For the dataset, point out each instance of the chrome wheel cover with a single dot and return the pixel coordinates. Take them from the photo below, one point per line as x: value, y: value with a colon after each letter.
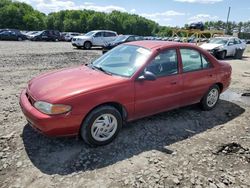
x: 104, y: 127
x: 212, y: 97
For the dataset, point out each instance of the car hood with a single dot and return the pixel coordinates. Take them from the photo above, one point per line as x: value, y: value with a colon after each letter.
x: 210, y: 46
x: 58, y: 85
x: 83, y: 37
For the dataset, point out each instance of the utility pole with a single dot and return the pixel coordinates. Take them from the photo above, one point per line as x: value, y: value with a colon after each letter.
x: 228, y: 14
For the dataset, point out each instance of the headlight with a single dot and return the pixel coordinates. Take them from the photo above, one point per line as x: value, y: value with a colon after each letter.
x: 51, y: 109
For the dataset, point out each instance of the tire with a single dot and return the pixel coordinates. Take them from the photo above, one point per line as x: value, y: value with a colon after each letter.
x: 238, y: 54
x: 102, y: 120
x: 87, y: 45
x: 210, y: 99
x: 222, y: 55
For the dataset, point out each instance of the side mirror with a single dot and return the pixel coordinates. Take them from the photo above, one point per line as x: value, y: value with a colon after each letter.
x: 230, y: 43
x: 147, y: 76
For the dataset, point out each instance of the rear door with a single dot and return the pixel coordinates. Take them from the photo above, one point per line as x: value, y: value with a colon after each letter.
x: 198, y: 75
x: 165, y: 92
x: 109, y: 37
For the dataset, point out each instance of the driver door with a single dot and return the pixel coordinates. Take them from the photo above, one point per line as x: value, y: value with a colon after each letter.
x: 45, y: 36
x: 98, y: 39
x: 231, y: 47
x: 164, y: 93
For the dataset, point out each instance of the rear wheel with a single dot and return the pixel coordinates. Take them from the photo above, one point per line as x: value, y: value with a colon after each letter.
x: 101, y: 126
x: 87, y: 45
x: 211, y: 98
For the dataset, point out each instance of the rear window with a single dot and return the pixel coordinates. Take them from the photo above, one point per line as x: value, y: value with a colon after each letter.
x: 193, y: 60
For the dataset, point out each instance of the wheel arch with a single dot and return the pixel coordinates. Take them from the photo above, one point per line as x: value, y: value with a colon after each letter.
x: 88, y: 41
x: 116, y: 105
x: 220, y: 85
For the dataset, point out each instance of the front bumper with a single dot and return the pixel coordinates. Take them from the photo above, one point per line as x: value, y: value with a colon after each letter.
x: 50, y: 125
x: 77, y: 43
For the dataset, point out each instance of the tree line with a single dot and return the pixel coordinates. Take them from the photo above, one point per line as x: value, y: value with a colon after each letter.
x: 22, y: 16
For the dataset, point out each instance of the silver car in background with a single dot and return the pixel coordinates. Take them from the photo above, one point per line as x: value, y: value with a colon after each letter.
x: 222, y: 47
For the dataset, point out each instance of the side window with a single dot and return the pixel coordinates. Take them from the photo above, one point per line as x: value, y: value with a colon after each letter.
x: 109, y: 34
x: 45, y: 33
x: 192, y: 60
x: 99, y: 34
x: 12, y: 33
x: 237, y: 41
x: 205, y: 63
x: 131, y: 39
x: 164, y: 64
x: 231, y: 42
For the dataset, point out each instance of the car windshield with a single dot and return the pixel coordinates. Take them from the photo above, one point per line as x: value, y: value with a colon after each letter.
x: 123, y: 60
x: 90, y: 33
x: 38, y: 33
x: 218, y: 41
x: 120, y: 38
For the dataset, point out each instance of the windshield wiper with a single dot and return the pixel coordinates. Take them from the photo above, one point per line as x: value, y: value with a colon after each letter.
x: 101, y: 69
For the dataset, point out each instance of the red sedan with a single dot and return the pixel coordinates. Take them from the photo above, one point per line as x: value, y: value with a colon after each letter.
x: 131, y: 81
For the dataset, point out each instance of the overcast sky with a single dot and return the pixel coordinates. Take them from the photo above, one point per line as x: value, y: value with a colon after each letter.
x: 165, y: 12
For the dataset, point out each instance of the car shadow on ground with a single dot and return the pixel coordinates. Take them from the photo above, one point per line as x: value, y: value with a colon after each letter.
x: 244, y: 58
x: 93, y: 48
x: 67, y: 155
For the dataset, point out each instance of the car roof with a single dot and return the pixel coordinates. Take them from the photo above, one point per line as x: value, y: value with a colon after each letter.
x: 226, y: 37
x: 153, y: 45
x: 103, y: 31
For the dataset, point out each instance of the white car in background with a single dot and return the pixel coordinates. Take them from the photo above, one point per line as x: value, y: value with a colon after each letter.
x: 68, y: 37
x: 222, y: 47
x: 94, y: 38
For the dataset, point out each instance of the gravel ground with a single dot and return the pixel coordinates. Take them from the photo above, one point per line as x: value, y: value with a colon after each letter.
x: 185, y: 147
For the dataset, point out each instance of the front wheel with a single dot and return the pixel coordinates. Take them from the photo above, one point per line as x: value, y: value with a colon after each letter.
x: 222, y: 55
x: 87, y: 45
x: 210, y: 99
x: 101, y: 126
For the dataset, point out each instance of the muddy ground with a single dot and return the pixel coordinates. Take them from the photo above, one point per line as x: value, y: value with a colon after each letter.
x: 185, y: 147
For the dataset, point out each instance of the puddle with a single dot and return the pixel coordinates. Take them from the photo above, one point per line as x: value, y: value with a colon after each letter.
x: 232, y: 96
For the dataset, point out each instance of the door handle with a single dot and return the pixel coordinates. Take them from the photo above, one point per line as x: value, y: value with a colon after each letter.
x: 173, y: 83
x: 210, y: 75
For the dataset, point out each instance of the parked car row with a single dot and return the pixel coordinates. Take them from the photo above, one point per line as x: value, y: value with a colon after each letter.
x: 12, y: 34
x: 220, y: 47
x: 44, y: 35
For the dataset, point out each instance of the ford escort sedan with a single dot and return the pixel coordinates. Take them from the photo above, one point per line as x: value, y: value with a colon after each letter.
x: 132, y: 81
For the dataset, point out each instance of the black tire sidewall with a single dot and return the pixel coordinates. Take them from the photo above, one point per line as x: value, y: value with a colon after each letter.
x: 222, y: 55
x: 85, y: 130
x: 203, y: 102
x: 90, y: 45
